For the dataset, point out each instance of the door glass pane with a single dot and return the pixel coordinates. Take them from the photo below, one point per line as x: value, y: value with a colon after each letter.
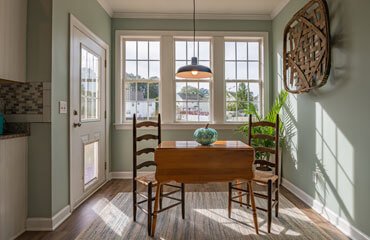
x: 91, y: 159
x: 89, y: 86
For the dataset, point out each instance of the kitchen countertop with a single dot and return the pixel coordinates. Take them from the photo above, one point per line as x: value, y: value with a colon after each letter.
x: 16, y: 130
x: 13, y: 135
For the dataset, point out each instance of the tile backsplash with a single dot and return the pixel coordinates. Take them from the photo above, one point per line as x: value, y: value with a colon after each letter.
x: 26, y: 102
x: 22, y: 98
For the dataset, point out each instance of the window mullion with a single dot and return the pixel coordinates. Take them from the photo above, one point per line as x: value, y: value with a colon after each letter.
x: 167, y: 86
x: 218, y: 102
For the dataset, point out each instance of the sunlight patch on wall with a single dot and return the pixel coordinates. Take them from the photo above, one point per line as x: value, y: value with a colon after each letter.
x: 334, y: 173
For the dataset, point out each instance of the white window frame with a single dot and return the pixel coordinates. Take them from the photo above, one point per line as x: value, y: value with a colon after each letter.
x: 210, y: 81
x: 122, y: 65
x: 167, y: 99
x: 247, y: 81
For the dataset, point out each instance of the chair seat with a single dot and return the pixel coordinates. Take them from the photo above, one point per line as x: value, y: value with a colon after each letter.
x: 264, y: 177
x: 146, y: 179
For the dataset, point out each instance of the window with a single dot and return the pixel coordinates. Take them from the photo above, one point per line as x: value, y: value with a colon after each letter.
x: 90, y: 86
x: 146, y: 83
x: 141, y: 79
x: 192, y: 96
x: 243, y: 79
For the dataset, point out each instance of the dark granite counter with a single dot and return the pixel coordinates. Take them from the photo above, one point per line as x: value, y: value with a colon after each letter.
x: 15, y: 130
x: 12, y: 135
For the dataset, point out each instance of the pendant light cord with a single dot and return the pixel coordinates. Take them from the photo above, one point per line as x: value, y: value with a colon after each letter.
x: 194, y: 26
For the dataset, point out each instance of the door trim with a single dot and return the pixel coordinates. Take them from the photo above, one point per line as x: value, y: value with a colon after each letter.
x: 75, y: 23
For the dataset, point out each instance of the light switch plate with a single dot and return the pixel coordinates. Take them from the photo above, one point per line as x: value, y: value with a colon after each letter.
x: 63, y: 107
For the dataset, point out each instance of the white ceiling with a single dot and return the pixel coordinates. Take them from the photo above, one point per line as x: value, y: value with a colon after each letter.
x: 212, y: 9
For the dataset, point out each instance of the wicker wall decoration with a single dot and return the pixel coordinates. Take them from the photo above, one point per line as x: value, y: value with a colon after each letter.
x: 307, y: 48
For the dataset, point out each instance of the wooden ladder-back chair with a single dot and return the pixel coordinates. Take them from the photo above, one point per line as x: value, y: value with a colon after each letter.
x: 267, y: 173
x: 149, y: 180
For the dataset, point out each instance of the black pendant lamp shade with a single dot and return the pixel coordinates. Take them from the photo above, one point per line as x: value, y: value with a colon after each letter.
x: 194, y: 71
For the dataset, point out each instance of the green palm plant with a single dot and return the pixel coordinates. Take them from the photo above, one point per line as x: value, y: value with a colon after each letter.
x: 269, y: 117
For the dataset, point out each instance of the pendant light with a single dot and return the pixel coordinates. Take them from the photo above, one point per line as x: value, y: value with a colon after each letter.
x: 194, y: 70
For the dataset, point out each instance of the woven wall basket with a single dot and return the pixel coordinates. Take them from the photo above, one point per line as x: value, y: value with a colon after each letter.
x: 307, y: 48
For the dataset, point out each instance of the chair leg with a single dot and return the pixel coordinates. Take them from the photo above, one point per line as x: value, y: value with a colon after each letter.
x: 161, y: 198
x: 183, y: 200
x: 253, y: 207
x: 134, y: 201
x: 277, y: 199
x: 155, y: 212
x: 229, y: 202
x: 239, y: 184
x: 150, y: 214
x: 248, y: 196
x: 269, y: 205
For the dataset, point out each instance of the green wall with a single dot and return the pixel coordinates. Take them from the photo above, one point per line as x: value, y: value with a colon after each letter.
x: 121, y: 140
x: 331, y: 123
x: 39, y: 22
x: 90, y: 13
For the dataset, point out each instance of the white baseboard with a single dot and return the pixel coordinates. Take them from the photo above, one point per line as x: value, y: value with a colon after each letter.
x: 126, y: 175
x: 342, y: 224
x: 61, y: 216
x: 48, y: 224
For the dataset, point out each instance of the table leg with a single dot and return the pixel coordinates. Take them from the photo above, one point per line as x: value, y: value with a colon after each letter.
x: 156, y: 204
x: 250, y: 186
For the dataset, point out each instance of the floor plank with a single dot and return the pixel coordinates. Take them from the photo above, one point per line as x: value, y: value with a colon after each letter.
x: 83, y: 216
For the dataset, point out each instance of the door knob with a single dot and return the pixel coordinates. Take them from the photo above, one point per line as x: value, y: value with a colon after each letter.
x: 77, y: 124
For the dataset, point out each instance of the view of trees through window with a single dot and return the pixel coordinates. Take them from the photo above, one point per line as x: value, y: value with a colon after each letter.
x: 242, y: 76
x: 142, y: 75
x: 192, y: 96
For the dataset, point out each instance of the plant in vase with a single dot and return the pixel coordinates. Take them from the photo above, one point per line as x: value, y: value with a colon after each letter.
x: 270, y: 117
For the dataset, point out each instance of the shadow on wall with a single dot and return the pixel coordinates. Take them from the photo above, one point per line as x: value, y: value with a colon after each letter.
x: 322, y: 152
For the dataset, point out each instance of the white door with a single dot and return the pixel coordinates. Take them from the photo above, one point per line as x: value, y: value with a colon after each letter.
x: 87, y: 116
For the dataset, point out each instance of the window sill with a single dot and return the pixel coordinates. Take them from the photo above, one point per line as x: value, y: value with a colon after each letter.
x: 185, y: 126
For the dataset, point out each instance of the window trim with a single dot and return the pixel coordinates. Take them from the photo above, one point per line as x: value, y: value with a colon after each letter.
x: 168, y: 101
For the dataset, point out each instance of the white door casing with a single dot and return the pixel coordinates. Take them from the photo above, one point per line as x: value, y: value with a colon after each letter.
x: 88, y: 122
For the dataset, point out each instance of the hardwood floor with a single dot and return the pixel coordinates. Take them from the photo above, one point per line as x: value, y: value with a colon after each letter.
x: 82, y: 217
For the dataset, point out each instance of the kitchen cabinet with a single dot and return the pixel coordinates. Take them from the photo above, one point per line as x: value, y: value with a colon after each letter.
x: 13, y: 40
x: 13, y: 187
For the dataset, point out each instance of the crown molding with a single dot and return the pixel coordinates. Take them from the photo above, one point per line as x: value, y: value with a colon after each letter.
x: 209, y: 16
x: 278, y: 9
x: 106, y: 6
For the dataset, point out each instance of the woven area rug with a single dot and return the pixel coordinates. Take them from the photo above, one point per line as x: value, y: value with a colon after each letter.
x: 205, y: 218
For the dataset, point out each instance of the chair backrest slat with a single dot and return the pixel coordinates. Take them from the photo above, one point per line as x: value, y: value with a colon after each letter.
x: 146, y: 164
x: 145, y: 151
x: 263, y: 124
x: 263, y: 136
x: 147, y: 137
x: 146, y: 124
x: 262, y: 149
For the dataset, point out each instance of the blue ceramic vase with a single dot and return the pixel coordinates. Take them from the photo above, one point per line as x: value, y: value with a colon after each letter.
x: 205, y: 136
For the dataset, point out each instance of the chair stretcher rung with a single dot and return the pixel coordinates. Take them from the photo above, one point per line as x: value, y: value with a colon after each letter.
x: 242, y: 195
x: 142, y: 209
x: 170, y: 185
x: 173, y: 198
x: 171, y: 206
x: 242, y: 203
x: 239, y: 189
x: 170, y: 193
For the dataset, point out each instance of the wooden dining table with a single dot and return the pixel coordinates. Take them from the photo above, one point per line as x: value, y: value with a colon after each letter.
x: 191, y: 163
